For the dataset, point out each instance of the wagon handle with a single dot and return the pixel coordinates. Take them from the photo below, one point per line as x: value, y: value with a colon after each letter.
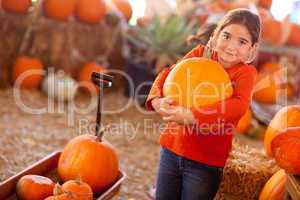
x: 102, y: 81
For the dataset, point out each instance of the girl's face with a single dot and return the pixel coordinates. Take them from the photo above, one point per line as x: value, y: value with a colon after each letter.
x: 233, y: 45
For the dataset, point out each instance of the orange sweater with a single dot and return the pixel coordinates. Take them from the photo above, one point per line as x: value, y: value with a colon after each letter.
x: 209, y: 141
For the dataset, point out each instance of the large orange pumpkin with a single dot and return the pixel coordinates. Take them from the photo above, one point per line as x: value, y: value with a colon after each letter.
x: 59, y: 9
x: 288, y: 116
x: 269, y: 34
x: 286, y: 150
x: 29, y: 70
x: 197, y: 82
x: 34, y: 187
x: 85, y: 76
x: 245, y: 122
x: 77, y: 188
x: 91, y: 11
x: 92, y: 160
x: 275, y: 187
x: 124, y: 7
x: 16, y: 6
x: 294, y: 38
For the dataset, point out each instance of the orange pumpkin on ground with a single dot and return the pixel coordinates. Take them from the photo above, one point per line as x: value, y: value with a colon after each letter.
x: 91, y: 11
x: 90, y: 158
x: 245, y: 122
x: 59, y: 10
x: 286, y: 150
x: 79, y: 189
x: 34, y: 187
x: 275, y: 187
x: 85, y: 76
x: 16, y: 6
x: 32, y: 70
x: 197, y: 82
x: 124, y: 7
x: 288, y: 116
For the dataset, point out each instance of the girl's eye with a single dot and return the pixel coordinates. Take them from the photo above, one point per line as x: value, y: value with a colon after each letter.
x: 242, y: 42
x: 225, y: 36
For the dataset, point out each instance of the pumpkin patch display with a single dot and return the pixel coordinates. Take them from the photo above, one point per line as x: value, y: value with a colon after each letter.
x: 91, y: 11
x: 29, y: 70
x: 59, y: 9
x: 286, y: 150
x: 197, y: 82
x: 287, y: 117
x: 275, y: 187
x: 85, y: 76
x: 16, y: 6
x: 34, y: 187
x: 92, y: 160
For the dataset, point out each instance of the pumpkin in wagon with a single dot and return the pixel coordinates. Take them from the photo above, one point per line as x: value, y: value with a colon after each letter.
x: 59, y: 10
x: 16, y: 6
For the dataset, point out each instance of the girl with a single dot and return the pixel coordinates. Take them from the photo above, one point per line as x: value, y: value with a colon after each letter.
x: 192, y: 158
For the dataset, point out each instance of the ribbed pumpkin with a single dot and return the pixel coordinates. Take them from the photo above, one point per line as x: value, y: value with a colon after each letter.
x: 197, y: 82
x: 294, y: 38
x: 79, y: 189
x: 288, y: 116
x: 275, y: 187
x: 245, y: 122
x: 59, y: 9
x: 265, y: 4
x: 92, y: 160
x: 286, y: 150
x: 16, y: 6
x: 32, y: 69
x: 91, y: 11
x: 269, y: 34
x: 85, y: 76
x: 124, y: 7
x: 34, y: 187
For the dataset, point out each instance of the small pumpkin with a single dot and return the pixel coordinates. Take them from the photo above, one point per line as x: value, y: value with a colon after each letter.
x: 275, y: 187
x: 91, y: 11
x: 16, y: 6
x: 124, y: 7
x: 286, y: 150
x: 34, y: 187
x: 30, y: 70
x: 286, y: 117
x: 197, y: 82
x: 59, y: 9
x: 79, y: 189
x: 85, y: 74
x: 96, y: 162
x: 245, y: 122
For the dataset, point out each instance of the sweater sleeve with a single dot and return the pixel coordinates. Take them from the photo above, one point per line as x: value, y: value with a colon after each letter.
x: 157, y: 86
x: 233, y: 108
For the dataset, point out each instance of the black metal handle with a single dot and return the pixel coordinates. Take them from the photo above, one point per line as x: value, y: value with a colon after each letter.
x: 103, y: 81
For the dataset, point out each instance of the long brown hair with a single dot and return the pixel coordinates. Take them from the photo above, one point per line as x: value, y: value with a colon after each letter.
x: 207, y: 34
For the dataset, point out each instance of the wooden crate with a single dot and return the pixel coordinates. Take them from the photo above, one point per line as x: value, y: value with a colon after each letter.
x: 42, y: 167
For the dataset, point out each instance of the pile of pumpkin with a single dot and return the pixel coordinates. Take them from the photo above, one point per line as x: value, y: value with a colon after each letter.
x: 91, y: 11
x: 30, y: 73
x: 88, y: 165
x: 282, y: 142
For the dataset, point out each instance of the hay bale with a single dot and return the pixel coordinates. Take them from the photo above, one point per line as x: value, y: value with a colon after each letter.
x: 12, y: 30
x: 246, y: 172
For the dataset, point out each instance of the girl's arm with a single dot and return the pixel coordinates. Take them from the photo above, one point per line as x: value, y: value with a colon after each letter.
x: 157, y: 86
x: 233, y: 108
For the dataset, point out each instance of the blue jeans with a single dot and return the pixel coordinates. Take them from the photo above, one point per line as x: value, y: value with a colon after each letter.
x: 183, y: 179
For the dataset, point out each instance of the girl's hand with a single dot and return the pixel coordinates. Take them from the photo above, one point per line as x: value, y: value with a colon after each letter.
x: 180, y: 115
x: 162, y: 106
